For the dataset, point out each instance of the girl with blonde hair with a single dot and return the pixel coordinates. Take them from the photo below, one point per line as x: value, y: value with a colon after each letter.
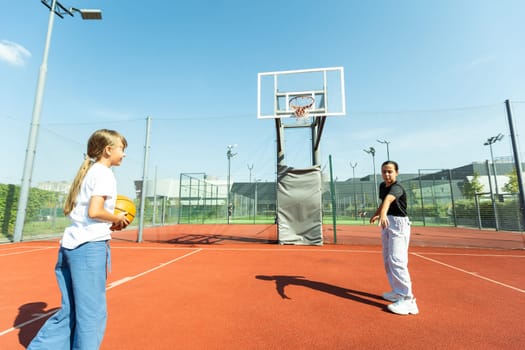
x: 84, y: 253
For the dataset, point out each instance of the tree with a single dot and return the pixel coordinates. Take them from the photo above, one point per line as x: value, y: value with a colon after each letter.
x: 512, y: 185
x: 470, y: 189
x: 38, y: 200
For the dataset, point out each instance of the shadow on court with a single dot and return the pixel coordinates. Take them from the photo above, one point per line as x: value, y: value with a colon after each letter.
x: 365, y: 235
x: 282, y: 281
x: 211, y: 239
x: 28, y: 312
x: 190, y: 234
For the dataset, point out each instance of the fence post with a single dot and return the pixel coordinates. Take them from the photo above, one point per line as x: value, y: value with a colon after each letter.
x: 478, y: 210
x: 452, y: 198
x: 422, y: 199
x: 144, y: 180
x: 334, y: 206
x: 494, y: 209
x: 517, y: 162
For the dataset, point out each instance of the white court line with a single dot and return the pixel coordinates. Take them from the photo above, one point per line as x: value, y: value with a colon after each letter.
x: 110, y: 286
x: 11, y: 246
x: 26, y: 251
x: 271, y: 249
x: 279, y: 248
x: 478, y: 255
x: 16, y: 246
x: 469, y: 273
x: 130, y: 278
x: 18, y: 326
x: 307, y: 249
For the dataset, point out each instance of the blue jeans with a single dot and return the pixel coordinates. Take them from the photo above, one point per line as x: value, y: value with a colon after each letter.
x: 396, y: 240
x: 81, y: 321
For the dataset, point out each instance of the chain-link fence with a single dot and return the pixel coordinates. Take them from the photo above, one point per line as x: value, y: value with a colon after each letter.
x: 199, y: 200
x: 435, y: 198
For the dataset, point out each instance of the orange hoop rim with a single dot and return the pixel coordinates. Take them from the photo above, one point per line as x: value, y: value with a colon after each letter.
x: 301, y: 105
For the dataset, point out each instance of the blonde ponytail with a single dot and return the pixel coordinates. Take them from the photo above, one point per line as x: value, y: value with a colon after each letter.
x: 75, y: 186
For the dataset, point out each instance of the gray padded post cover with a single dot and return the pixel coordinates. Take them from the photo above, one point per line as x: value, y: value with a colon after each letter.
x: 299, y: 212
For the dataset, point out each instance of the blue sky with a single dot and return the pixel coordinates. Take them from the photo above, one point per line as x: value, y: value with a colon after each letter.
x: 431, y: 77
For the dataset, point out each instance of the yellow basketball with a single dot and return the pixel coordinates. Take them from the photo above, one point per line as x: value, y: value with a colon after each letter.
x: 125, y: 204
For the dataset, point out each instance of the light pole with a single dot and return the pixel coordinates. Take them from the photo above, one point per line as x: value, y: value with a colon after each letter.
x: 353, y: 187
x: 372, y: 151
x: 57, y: 8
x: 385, y: 142
x: 250, y: 168
x: 489, y: 142
x: 229, y: 155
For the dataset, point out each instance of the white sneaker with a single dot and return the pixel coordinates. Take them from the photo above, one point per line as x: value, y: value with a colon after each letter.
x: 404, y: 307
x: 392, y: 296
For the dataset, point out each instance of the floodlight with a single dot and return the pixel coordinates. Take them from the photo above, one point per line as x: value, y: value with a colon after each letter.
x: 89, y: 13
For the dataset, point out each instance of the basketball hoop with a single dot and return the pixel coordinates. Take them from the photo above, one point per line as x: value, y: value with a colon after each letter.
x: 301, y: 106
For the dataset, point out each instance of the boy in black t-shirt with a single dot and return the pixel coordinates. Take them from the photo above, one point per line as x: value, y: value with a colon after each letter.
x: 395, y: 235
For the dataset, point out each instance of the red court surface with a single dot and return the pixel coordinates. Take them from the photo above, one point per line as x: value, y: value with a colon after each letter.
x: 422, y: 236
x: 224, y: 294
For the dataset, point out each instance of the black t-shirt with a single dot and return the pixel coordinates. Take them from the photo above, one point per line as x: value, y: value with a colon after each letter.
x: 399, y: 206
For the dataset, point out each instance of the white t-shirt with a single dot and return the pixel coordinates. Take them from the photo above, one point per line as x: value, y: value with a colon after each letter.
x: 99, y: 181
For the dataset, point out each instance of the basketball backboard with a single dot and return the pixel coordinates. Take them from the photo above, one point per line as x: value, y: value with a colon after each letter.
x: 325, y: 86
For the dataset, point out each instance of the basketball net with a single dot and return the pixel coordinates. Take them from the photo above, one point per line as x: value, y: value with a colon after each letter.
x: 301, y: 106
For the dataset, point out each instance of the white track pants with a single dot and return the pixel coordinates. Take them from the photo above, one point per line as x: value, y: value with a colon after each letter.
x: 396, y: 239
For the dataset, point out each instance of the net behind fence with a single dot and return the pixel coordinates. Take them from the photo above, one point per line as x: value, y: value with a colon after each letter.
x: 200, y: 201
